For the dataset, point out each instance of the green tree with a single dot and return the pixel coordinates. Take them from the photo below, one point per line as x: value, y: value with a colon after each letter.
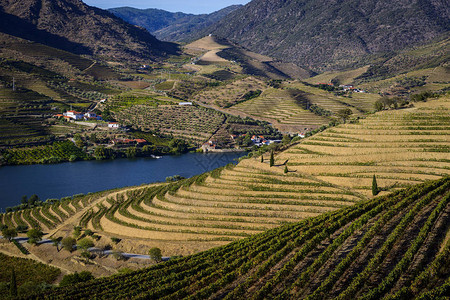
x: 24, y: 200
x: 68, y: 243
x: 85, y: 243
x: 344, y: 114
x: 375, y: 189
x: 78, y: 140
x: 13, y: 284
x: 286, y: 170
x: 9, y: 234
x: 178, y: 146
x: 101, y: 152
x: 262, y: 158
x: 76, y: 231
x: 131, y: 152
x: 272, y: 159
x: 32, y: 200
x: 155, y: 254
x: 93, y: 138
x: 149, y: 149
x: 379, y: 105
x: 286, y: 139
x: 34, y: 235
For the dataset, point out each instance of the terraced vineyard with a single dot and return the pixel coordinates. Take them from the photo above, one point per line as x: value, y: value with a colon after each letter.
x: 52, y: 214
x: 230, y: 94
x: 280, y: 107
x: 192, y: 123
x: 401, y: 147
x: 326, y: 172
x: 358, y: 102
x: 21, y: 120
x: 393, y: 246
x: 299, y: 106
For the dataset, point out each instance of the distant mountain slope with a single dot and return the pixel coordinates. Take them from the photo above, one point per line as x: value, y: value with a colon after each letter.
x: 325, y: 35
x: 170, y: 26
x: 72, y: 25
x: 393, y: 246
x: 220, y: 50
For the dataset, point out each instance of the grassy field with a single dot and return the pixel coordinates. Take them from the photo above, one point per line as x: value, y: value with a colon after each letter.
x: 392, y: 246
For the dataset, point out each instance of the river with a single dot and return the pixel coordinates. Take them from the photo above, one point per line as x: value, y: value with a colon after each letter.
x: 67, y: 179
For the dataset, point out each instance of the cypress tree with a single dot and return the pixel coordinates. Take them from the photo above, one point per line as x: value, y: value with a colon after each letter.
x: 375, y: 190
x: 13, y: 285
x: 262, y: 158
x: 286, y: 169
x: 272, y: 160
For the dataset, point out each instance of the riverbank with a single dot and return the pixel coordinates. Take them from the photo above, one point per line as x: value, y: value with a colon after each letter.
x: 52, y: 181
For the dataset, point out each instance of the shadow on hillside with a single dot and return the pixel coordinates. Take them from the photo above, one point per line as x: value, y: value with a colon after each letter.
x: 15, y: 26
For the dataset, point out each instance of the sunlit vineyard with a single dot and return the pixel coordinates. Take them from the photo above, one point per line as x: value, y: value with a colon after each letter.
x: 400, y: 147
x: 234, y: 202
x: 393, y: 246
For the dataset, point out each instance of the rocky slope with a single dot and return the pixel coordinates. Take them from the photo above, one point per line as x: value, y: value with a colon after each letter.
x: 75, y: 26
x: 326, y: 35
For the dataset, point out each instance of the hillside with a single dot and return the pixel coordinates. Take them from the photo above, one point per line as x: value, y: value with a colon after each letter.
x: 71, y: 25
x: 168, y: 26
x: 324, y: 35
x: 225, y: 56
x: 395, y: 246
x: 326, y: 172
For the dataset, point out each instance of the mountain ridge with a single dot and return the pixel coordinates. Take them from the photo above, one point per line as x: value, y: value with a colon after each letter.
x: 332, y: 35
x: 95, y: 31
x: 171, y: 26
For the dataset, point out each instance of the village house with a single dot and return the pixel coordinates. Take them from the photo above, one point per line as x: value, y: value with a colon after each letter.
x: 129, y: 141
x: 92, y: 116
x: 113, y: 125
x: 209, y: 146
x: 73, y: 115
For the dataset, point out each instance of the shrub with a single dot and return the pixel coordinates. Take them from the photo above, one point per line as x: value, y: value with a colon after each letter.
x: 68, y: 243
x: 155, y: 254
x: 34, y: 235
x: 75, y: 278
x: 85, y: 243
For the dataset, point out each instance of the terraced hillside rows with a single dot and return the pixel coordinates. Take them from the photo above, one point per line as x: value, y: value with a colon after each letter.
x: 326, y: 172
x: 395, y: 246
x: 226, y: 205
x: 298, y: 106
x: 281, y: 108
x: 400, y: 147
x: 52, y: 214
x: 232, y: 93
x: 192, y: 123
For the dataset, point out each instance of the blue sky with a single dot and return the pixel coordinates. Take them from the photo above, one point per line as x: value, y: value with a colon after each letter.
x: 186, y: 6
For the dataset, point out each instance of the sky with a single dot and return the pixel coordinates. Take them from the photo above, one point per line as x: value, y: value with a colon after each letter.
x: 186, y: 6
